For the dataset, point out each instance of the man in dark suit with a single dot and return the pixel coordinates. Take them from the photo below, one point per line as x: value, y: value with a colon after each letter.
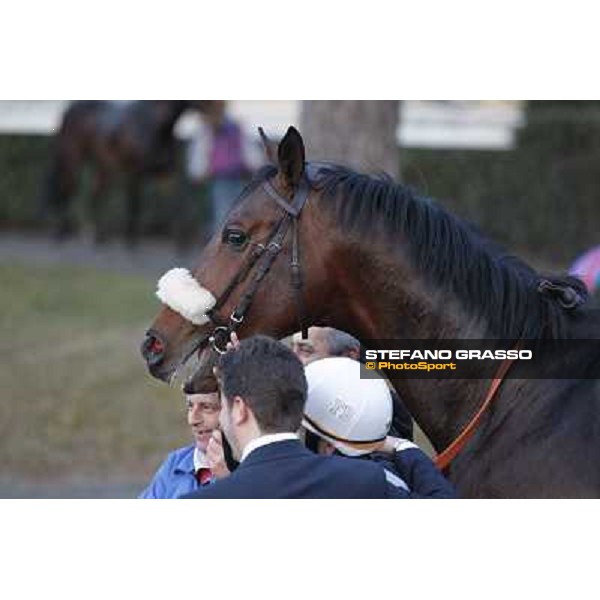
x: 263, y: 392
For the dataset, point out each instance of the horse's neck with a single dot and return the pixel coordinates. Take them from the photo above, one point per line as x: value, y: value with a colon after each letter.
x: 395, y: 303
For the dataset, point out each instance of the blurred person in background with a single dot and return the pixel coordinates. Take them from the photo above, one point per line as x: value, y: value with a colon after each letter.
x: 222, y: 157
x: 325, y: 342
x: 191, y: 467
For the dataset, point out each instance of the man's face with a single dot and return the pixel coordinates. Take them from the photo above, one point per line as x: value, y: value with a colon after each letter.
x: 313, y: 348
x: 203, y: 416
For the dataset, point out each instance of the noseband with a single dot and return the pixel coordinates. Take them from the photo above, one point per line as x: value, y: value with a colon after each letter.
x: 264, y: 255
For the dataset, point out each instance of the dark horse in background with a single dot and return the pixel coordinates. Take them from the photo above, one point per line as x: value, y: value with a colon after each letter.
x: 131, y: 141
x: 382, y: 263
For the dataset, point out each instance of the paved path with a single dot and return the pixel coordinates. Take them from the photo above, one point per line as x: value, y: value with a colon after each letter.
x: 150, y: 258
x: 74, y: 487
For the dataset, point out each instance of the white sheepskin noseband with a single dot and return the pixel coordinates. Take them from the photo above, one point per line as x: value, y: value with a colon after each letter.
x: 183, y: 294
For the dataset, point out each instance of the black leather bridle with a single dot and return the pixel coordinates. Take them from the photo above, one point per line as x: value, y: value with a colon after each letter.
x: 264, y: 254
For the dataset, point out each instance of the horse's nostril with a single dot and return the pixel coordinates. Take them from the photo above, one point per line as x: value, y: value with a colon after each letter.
x: 155, y: 346
x: 153, y: 349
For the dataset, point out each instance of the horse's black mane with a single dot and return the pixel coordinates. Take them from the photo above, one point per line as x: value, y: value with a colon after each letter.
x: 452, y: 254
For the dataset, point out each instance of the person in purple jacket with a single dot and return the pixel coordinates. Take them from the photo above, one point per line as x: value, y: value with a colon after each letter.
x: 222, y: 156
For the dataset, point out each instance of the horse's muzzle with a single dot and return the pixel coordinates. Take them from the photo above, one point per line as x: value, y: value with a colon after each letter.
x: 153, y: 350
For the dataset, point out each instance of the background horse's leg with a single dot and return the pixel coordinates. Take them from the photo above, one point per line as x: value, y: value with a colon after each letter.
x: 132, y: 218
x: 185, y: 223
x: 98, y: 196
x: 60, y: 186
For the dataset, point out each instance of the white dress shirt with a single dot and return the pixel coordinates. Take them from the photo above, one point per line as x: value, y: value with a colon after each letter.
x: 264, y: 440
x: 200, y: 460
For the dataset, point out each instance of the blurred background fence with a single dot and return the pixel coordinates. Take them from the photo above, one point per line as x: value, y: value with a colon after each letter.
x: 530, y: 181
x: 540, y: 197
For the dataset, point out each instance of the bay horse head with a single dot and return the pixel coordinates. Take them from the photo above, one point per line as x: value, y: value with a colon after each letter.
x: 252, y: 275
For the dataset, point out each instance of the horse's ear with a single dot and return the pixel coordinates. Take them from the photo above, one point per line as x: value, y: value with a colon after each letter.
x: 290, y: 157
x: 270, y: 147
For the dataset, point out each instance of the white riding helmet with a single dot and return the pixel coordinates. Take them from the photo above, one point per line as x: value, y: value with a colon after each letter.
x: 351, y: 413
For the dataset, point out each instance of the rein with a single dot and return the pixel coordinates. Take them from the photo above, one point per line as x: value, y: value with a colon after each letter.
x: 222, y: 332
x: 443, y: 459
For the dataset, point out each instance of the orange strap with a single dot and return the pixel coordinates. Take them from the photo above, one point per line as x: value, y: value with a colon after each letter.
x: 444, y: 459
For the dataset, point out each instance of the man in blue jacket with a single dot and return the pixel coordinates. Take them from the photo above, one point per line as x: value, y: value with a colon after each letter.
x: 263, y: 393
x: 187, y: 469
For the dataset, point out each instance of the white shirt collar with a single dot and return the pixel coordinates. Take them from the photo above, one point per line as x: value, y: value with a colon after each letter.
x: 200, y: 460
x: 263, y: 440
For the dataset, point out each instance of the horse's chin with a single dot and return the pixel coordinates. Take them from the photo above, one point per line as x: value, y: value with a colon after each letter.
x: 202, y: 379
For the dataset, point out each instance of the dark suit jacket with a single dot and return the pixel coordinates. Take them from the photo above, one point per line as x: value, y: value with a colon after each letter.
x: 417, y: 470
x: 288, y: 470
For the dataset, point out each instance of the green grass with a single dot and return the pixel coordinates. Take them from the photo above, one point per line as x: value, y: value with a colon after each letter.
x: 75, y: 397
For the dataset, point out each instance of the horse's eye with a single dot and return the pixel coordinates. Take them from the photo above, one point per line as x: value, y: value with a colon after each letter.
x: 235, y: 238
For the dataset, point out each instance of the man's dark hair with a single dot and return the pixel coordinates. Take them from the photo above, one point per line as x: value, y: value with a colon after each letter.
x: 270, y: 378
